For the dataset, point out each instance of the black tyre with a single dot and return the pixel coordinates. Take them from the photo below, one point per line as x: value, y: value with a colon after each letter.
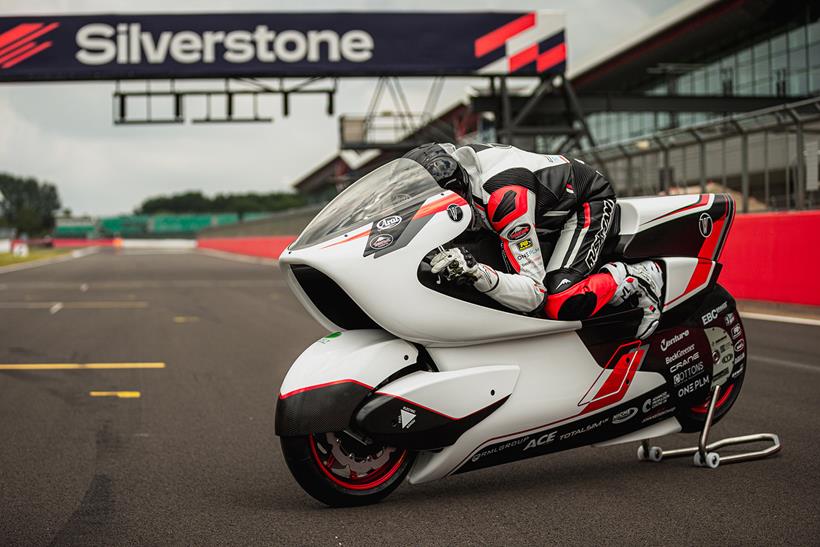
x: 340, y: 470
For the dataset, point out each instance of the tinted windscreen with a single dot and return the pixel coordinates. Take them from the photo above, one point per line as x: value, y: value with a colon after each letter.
x: 396, y: 185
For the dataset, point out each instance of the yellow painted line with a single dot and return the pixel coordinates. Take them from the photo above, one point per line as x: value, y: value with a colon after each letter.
x: 80, y: 366
x: 117, y: 394
x: 186, y: 319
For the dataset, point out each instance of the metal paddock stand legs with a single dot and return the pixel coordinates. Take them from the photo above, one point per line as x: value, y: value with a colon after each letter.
x: 706, y: 455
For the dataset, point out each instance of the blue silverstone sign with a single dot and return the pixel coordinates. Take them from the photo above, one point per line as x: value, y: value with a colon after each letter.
x: 108, y: 47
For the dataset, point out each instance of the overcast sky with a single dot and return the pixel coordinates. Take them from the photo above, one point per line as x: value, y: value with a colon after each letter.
x: 63, y: 132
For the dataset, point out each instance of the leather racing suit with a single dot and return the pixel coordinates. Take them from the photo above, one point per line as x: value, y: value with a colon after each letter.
x: 527, y: 198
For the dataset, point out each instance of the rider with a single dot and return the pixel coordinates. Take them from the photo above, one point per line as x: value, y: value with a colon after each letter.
x: 520, y: 196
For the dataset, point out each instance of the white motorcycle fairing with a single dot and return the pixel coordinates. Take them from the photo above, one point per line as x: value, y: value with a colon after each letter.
x: 334, y: 375
x: 484, y: 385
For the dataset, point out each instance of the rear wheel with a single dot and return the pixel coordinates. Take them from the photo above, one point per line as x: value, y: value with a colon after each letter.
x: 693, y: 417
x: 342, y: 469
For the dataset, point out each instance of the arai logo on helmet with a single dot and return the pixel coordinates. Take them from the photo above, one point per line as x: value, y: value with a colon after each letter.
x: 381, y: 241
x: 388, y: 222
x: 519, y: 231
x: 705, y: 225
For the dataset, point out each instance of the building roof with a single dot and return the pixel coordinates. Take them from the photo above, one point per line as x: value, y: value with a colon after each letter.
x: 691, y: 32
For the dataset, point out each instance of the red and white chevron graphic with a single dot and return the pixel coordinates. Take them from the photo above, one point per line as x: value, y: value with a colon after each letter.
x: 522, y: 41
x: 19, y: 43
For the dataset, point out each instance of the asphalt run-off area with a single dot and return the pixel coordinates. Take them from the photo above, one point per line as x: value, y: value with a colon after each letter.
x: 137, y: 395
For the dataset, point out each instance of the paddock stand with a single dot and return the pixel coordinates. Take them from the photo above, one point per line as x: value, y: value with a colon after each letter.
x: 705, y: 455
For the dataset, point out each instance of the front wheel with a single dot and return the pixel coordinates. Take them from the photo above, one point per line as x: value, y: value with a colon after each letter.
x: 342, y: 469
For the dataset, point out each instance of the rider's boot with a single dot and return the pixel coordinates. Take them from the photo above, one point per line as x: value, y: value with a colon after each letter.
x: 644, y: 279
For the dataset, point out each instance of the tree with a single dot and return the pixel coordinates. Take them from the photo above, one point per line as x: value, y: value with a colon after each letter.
x: 27, y: 204
x: 196, y: 202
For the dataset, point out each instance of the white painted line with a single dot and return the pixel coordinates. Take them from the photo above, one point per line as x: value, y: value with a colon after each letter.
x: 785, y: 363
x: 55, y: 308
x: 48, y: 261
x: 781, y: 318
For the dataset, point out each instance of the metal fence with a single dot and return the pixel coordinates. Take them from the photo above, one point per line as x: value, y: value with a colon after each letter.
x: 768, y: 158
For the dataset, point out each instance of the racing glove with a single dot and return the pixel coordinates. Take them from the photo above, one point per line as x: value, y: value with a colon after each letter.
x: 459, y: 265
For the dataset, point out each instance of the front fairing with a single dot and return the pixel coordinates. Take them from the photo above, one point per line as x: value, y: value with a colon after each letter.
x: 383, y: 280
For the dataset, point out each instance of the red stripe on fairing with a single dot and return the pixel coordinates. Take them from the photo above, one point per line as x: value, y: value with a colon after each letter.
x: 704, y: 200
x: 553, y: 56
x: 326, y: 384
x: 619, y: 380
x: 523, y: 57
x: 541, y: 427
x: 495, y: 39
x: 23, y: 57
x: 440, y: 205
x: 429, y: 209
x: 709, y: 247
x: 357, y: 236
x: 699, y: 277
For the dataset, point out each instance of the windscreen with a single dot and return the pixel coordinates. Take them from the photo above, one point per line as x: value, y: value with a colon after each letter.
x: 393, y: 186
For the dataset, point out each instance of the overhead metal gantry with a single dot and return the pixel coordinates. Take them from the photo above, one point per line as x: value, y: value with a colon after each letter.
x: 232, y: 100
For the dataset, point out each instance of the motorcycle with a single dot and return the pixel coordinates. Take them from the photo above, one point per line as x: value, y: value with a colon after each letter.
x: 424, y: 379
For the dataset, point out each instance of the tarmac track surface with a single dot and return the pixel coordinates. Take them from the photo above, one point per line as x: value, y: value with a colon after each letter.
x: 194, y: 461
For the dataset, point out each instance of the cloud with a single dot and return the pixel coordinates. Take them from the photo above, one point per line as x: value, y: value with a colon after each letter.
x: 63, y: 132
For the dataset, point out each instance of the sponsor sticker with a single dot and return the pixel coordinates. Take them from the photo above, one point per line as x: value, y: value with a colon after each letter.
x: 736, y: 331
x: 693, y: 386
x: 454, y: 212
x: 526, y: 254
x: 658, y: 414
x: 501, y: 448
x: 680, y: 353
x: 381, y: 241
x: 710, y: 316
x: 654, y: 402
x: 407, y: 417
x: 524, y: 245
x: 546, y: 438
x: 740, y: 345
x: 688, y: 373
x: 666, y: 343
x: 625, y: 415
x: 705, y: 225
x: 388, y: 222
x: 729, y: 319
x: 739, y: 358
x: 519, y: 231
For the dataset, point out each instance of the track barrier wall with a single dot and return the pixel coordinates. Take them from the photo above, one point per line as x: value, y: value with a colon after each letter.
x: 772, y: 257
x: 263, y: 246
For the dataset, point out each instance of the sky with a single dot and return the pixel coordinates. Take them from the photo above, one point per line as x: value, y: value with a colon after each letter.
x: 63, y: 133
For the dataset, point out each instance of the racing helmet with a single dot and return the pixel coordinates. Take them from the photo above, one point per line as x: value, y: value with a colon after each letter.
x: 443, y: 167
